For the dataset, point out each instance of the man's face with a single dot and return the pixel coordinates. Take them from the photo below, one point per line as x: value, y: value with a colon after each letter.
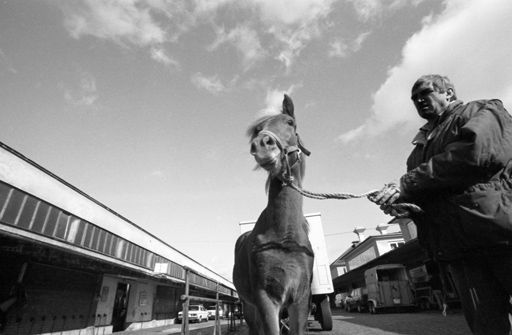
x: 428, y: 102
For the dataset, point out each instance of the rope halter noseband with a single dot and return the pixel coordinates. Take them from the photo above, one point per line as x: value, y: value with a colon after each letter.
x: 286, y: 151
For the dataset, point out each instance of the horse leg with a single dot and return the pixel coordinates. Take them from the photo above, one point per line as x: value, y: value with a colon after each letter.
x: 269, y: 314
x: 298, y: 316
x: 252, y: 319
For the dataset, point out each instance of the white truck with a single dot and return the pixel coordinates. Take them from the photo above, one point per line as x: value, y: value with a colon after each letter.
x: 321, y: 286
x: 388, y: 288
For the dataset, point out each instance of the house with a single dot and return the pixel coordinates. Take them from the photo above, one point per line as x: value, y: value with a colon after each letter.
x: 366, y: 249
x: 395, y: 248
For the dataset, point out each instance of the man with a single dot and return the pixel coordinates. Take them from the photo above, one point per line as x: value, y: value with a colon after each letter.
x: 460, y: 174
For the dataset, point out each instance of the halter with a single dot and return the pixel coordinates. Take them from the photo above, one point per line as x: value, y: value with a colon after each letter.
x: 286, y: 152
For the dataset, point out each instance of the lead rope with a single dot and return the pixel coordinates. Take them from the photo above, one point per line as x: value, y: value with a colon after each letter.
x: 324, y: 196
x: 400, y: 207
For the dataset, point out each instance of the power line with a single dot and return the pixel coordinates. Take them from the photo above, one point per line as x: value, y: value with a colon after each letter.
x: 340, y: 233
x: 349, y: 232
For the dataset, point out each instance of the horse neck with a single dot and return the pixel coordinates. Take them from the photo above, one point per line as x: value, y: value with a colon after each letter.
x: 284, y: 203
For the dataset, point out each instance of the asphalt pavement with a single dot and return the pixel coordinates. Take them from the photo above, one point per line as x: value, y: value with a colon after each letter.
x: 344, y: 323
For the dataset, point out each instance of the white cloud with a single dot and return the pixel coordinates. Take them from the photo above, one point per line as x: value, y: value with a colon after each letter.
x: 209, y: 6
x: 293, y: 23
x: 160, y: 56
x: 280, y: 29
x: 83, y: 94
x: 342, y: 49
x: 469, y: 42
x: 288, y: 25
x: 293, y: 41
x: 122, y: 21
x: 129, y: 23
x: 245, y: 40
x: 372, y: 9
x: 211, y: 84
x: 274, y: 101
x: 290, y: 12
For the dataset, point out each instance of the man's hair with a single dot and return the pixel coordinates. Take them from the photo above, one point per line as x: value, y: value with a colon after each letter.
x: 440, y: 83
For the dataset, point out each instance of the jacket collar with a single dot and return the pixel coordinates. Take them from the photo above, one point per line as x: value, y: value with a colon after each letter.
x: 448, y: 111
x: 422, y: 135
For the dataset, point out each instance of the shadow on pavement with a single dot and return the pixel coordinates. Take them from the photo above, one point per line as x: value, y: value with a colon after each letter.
x: 419, y: 323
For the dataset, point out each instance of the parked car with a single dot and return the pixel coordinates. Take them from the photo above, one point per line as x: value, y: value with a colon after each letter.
x: 211, y: 312
x: 196, y: 313
x: 357, y: 300
x: 340, y: 298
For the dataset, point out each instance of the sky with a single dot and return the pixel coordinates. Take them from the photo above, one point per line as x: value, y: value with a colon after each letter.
x: 144, y: 104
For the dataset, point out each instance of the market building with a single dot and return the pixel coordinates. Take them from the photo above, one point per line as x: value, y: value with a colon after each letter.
x: 71, y: 265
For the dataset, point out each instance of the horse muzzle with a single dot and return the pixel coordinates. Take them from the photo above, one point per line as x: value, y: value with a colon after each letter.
x: 272, y: 163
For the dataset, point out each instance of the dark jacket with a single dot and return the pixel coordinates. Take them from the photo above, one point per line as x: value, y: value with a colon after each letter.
x: 460, y: 174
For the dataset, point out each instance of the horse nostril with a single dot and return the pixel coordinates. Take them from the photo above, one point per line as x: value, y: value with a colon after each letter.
x: 253, y: 149
x: 267, y: 141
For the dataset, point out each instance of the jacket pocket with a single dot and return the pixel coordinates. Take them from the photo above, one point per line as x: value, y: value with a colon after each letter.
x: 485, y: 215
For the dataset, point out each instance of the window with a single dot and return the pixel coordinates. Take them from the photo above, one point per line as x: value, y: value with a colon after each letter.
x: 395, y: 245
x: 341, y: 270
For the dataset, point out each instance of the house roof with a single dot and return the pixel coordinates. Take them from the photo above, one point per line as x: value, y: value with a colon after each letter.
x: 410, y: 253
x: 354, y: 248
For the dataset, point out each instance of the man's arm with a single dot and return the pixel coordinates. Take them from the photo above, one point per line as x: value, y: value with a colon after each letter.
x: 479, y: 151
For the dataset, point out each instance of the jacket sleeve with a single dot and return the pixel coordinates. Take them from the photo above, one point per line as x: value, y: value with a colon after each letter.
x: 481, y: 147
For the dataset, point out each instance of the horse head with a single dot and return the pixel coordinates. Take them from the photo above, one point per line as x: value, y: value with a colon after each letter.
x: 275, y: 143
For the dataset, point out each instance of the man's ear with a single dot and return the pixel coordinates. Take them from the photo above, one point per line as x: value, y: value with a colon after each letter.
x: 450, y: 94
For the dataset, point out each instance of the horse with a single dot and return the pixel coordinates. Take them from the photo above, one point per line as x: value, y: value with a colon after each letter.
x: 273, y: 265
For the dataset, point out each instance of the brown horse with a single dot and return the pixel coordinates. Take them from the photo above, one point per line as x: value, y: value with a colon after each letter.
x: 274, y: 262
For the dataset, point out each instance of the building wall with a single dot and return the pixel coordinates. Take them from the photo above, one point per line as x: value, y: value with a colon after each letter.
x: 167, y: 302
x: 371, y: 248
x: 338, y: 271
x: 387, y: 245
x: 140, y: 305
x: 362, y: 256
x: 148, y: 302
x: 54, y: 299
x: 408, y: 228
x: 106, y: 299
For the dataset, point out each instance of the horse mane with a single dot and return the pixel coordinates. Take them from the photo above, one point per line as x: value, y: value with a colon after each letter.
x: 306, y: 226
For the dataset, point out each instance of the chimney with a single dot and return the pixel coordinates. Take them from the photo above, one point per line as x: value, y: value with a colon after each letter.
x: 382, y: 229
x: 359, y: 232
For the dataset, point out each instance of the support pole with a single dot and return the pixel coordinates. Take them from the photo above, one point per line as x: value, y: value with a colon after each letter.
x: 217, y: 327
x: 184, y: 325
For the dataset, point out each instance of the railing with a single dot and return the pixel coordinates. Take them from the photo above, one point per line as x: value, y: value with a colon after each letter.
x: 186, y: 298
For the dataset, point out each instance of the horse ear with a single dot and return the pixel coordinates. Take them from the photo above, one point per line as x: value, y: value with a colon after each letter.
x: 288, y: 106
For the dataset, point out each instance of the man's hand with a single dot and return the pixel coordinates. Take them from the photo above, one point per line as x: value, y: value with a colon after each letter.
x: 396, y: 210
x: 386, y: 196
x: 388, y: 200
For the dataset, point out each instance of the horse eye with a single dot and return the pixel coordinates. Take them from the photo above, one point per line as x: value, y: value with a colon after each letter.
x: 291, y: 123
